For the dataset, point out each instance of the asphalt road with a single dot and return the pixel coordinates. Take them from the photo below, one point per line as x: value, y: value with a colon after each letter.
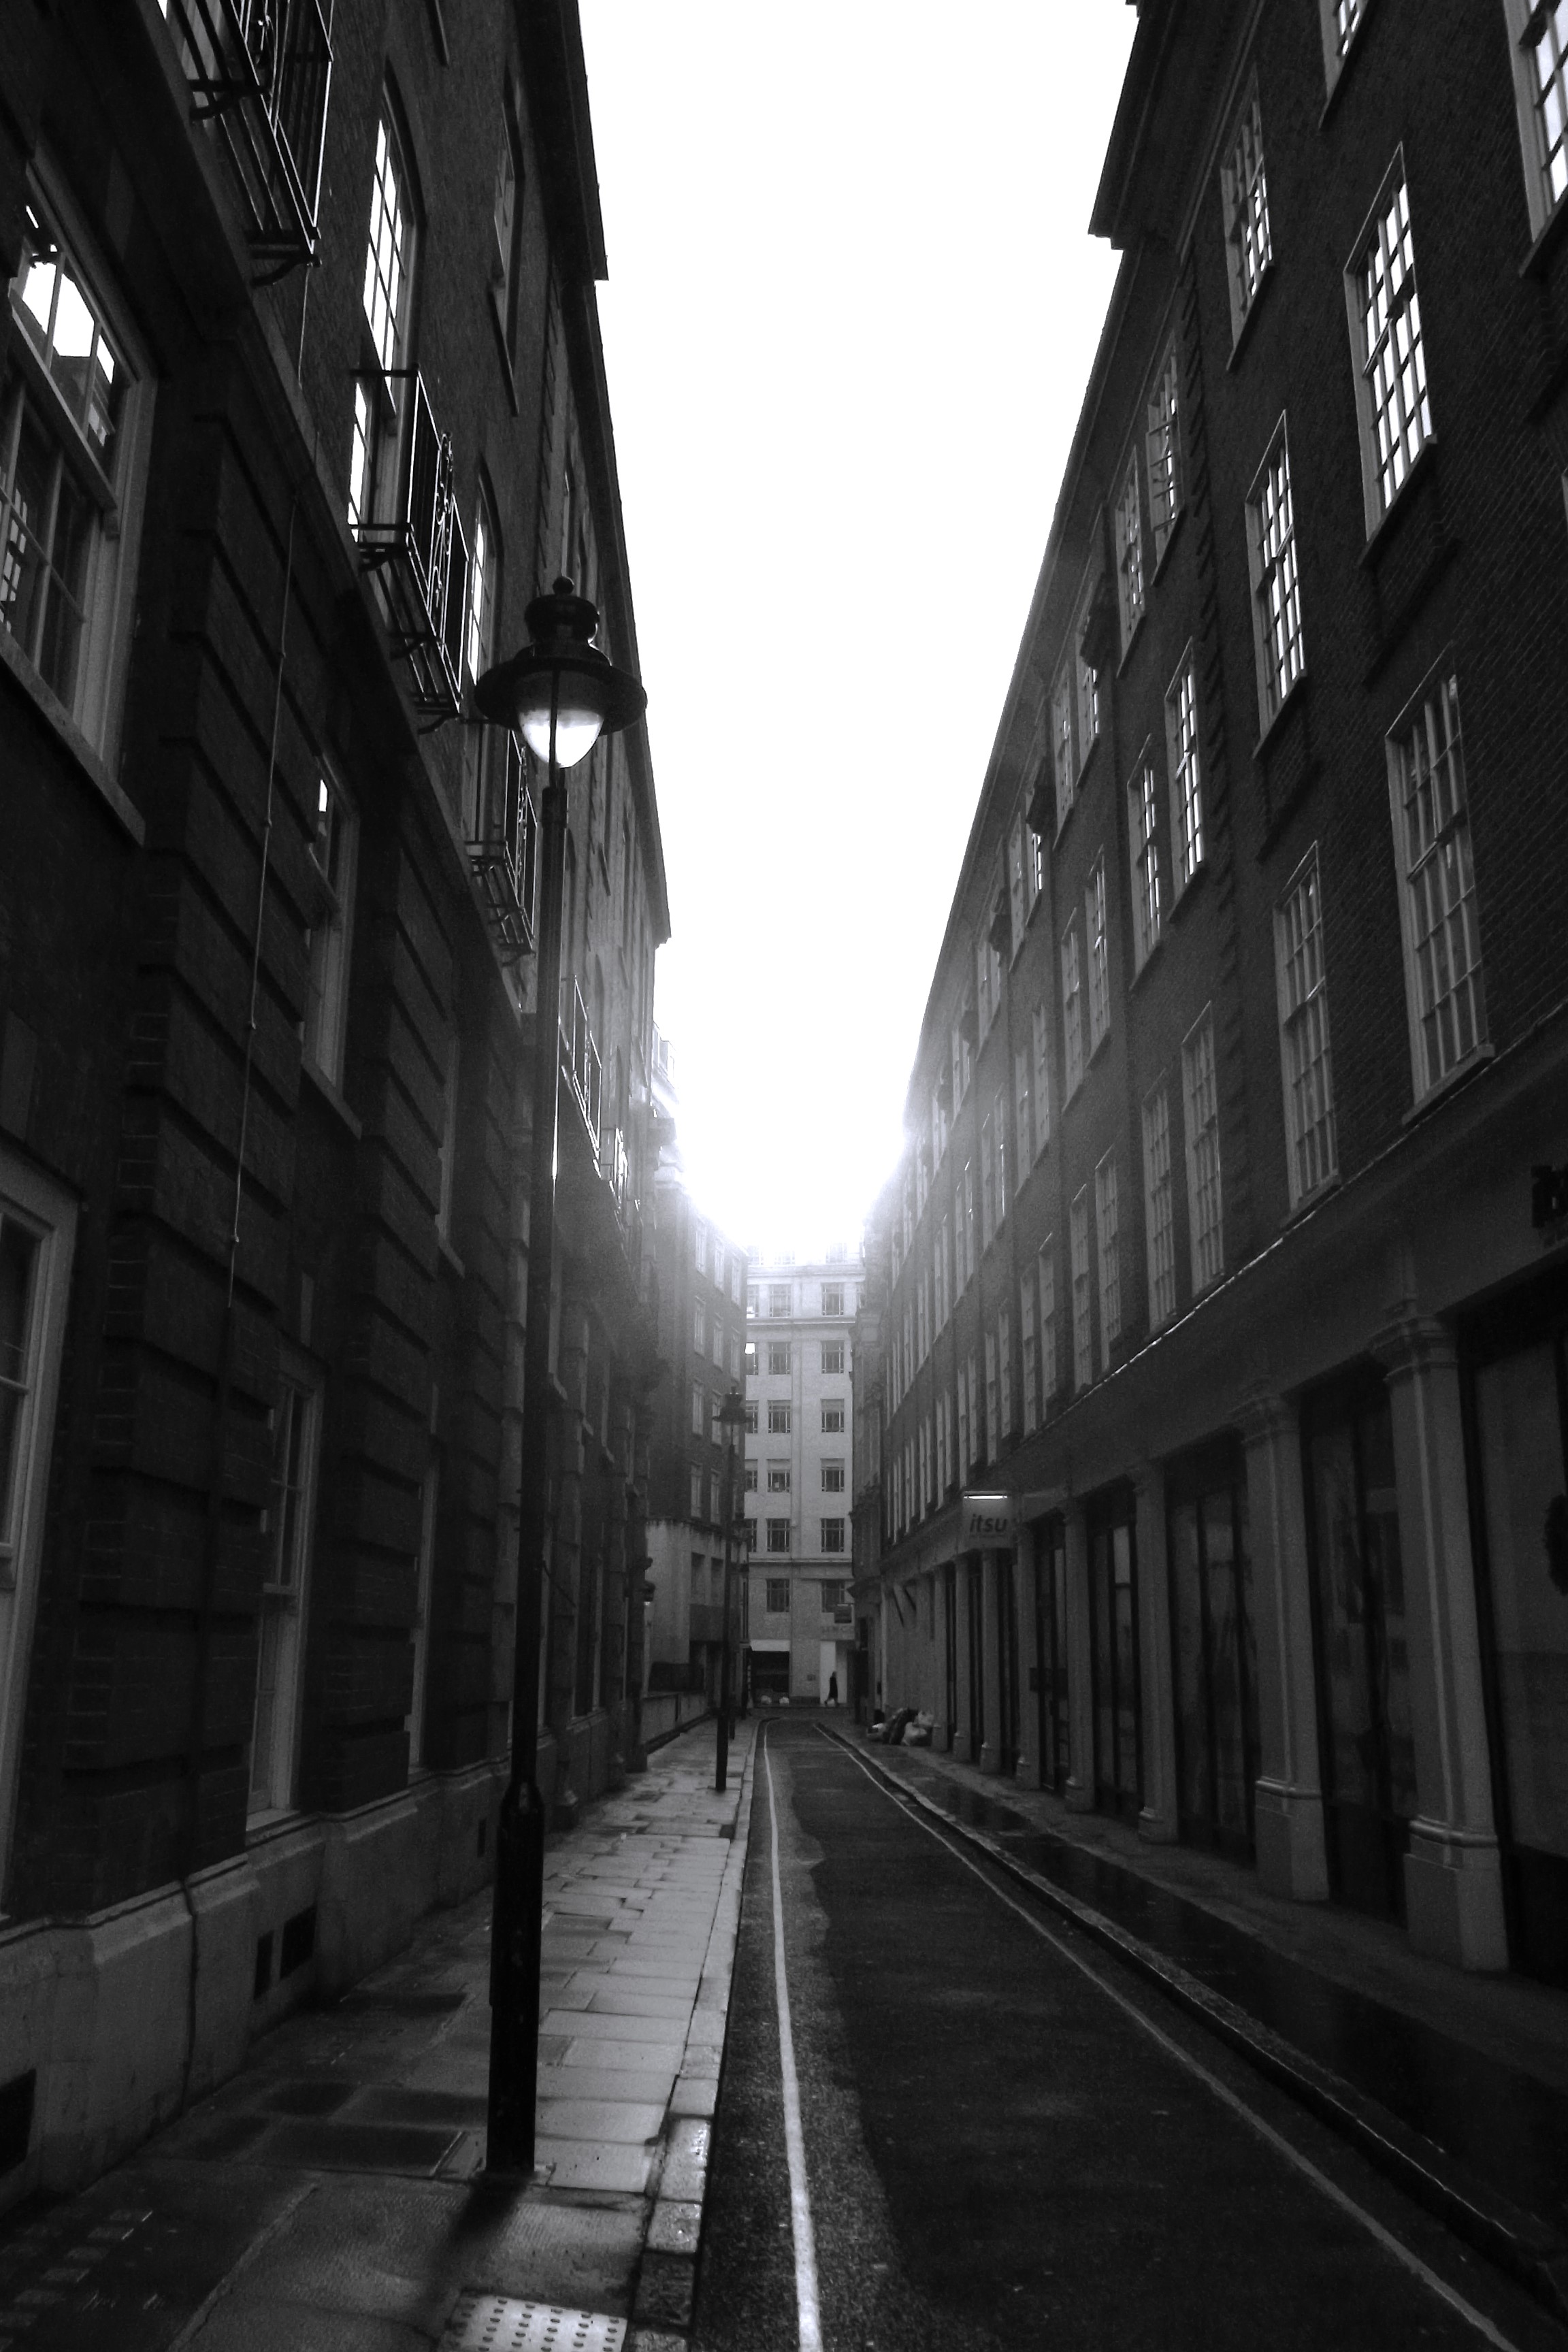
x: 1006, y: 2140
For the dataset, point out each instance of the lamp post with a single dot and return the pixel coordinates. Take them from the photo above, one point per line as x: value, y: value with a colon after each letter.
x: 732, y: 1421
x: 563, y: 694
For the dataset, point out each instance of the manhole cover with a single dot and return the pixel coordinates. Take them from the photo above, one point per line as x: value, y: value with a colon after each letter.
x: 501, y: 2323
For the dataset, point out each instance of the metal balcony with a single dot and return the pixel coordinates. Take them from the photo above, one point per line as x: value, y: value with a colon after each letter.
x: 580, y: 1059
x: 505, y: 858
x: 421, y: 560
x: 259, y: 72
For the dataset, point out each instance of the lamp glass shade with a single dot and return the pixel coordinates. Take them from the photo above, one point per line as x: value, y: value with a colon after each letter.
x: 579, y: 718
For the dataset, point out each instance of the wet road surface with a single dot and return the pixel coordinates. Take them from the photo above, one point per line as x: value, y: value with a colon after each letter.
x: 1010, y: 2141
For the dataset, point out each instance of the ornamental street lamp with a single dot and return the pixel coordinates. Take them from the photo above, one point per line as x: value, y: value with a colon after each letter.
x: 563, y: 694
x: 732, y: 1421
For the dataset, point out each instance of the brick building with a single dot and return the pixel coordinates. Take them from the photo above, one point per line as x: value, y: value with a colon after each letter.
x: 702, y: 1345
x: 799, y: 1472
x: 302, y: 399
x: 1227, y: 1251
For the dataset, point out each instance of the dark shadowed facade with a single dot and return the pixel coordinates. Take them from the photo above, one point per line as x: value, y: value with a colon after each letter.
x: 301, y: 399
x: 1228, y: 1249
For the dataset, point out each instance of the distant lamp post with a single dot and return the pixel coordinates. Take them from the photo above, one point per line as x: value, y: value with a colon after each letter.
x: 732, y: 1421
x: 563, y: 694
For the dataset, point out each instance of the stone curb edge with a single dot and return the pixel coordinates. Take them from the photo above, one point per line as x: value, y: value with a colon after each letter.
x: 663, y: 2301
x: 1527, y: 2249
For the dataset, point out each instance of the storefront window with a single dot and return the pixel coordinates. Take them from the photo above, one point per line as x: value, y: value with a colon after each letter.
x: 1214, y: 1651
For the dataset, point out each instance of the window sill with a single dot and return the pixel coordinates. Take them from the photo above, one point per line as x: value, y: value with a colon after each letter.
x: 313, y: 1070
x: 1183, y: 896
x: 1387, y: 525
x: 1542, y: 251
x: 1164, y: 556
x: 1241, y: 334
x: 497, y: 320
x: 1474, y: 1062
x: 1310, y: 1200
x: 1126, y: 655
x: 1269, y: 735
x: 1158, y: 943
x: 1339, y: 67
x: 58, y: 718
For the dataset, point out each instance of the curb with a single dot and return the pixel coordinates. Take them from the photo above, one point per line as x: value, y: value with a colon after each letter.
x: 663, y: 2299
x: 1527, y: 2249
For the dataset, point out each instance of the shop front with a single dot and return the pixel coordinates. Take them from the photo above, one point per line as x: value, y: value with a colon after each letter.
x: 1114, y: 1656
x: 1048, y: 1671
x: 1213, y: 1648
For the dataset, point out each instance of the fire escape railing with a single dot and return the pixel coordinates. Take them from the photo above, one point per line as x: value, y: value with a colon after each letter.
x: 505, y: 855
x: 259, y: 72
x: 422, y: 560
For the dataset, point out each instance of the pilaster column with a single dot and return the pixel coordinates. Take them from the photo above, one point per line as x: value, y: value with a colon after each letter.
x: 965, y: 1741
x: 1030, y: 1765
x: 1292, y: 1858
x: 1453, y: 1874
x: 991, y: 1660
x: 946, y: 1730
x: 1157, y: 1818
x: 1080, y: 1791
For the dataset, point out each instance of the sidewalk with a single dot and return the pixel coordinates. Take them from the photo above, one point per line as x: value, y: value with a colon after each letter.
x: 333, y: 2195
x: 1456, y: 2084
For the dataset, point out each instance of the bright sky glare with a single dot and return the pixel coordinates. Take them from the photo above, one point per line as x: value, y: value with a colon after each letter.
x: 851, y: 311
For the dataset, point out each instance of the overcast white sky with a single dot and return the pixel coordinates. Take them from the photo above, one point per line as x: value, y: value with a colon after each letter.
x: 852, y: 311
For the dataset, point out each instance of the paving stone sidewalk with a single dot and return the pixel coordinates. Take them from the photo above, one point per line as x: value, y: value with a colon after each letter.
x: 331, y: 2197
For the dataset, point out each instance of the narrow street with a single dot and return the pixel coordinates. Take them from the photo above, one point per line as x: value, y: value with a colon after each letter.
x: 1007, y: 2140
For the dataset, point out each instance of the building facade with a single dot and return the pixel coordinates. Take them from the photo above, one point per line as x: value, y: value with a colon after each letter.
x: 1227, y: 1253
x: 799, y: 1473
x: 301, y: 399
x: 702, y: 1275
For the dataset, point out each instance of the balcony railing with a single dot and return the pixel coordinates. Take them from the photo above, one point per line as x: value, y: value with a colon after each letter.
x: 505, y: 855
x: 259, y: 72
x: 580, y: 1058
x: 421, y: 558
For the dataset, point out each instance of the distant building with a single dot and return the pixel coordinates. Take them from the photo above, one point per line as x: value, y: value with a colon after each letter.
x: 701, y: 1343
x: 800, y: 1473
x: 1230, y: 1246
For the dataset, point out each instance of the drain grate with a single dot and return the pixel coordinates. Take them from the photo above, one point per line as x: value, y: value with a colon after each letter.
x: 501, y: 2323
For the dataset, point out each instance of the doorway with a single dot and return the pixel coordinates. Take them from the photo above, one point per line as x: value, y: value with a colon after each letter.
x: 1053, y: 1719
x: 1113, y: 1657
x: 1214, y: 1657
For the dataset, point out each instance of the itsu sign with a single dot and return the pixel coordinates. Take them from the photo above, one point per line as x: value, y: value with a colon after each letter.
x: 988, y: 1518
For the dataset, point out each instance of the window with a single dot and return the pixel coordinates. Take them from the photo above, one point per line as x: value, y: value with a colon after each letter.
x: 1061, y: 748
x: 1385, y: 335
x: 1186, y: 783
x: 713, y: 1504
x: 1540, y: 30
x: 695, y: 1476
x: 37, y: 1237
x: 1443, y: 987
x: 1276, y: 590
x: 778, y: 1535
x: 778, y: 1356
x: 778, y: 1477
x: 778, y: 1298
x: 734, y: 1282
x: 1159, y: 1213
x: 1200, y: 1097
x: 751, y: 1298
x: 992, y: 1414
x: 1244, y: 194
x: 778, y: 1419
x: 1082, y: 1345
x: 1072, y: 1011
x: 291, y: 1516
x: 964, y: 1456
x: 700, y: 1245
x: 968, y: 1220
x: 73, y: 431
x: 1004, y: 1368
x: 941, y: 1476
x: 1341, y: 20
x: 508, y: 219
x: 832, y: 1540
x: 718, y: 1350
x: 333, y: 849
x: 1023, y: 1115
x: 1163, y: 445
x: 1145, y: 849
x: 776, y: 1592
x: 1046, y: 1275
x: 1031, y: 1361
x: 1098, y: 954
x: 940, y: 1259
x: 699, y: 1326
x: 923, y: 1318
x: 833, y: 1298
x: 1130, y: 554
x: 749, y: 1478
x: 1087, y: 683
x: 481, y: 752
x: 832, y: 1416
x: 1042, y: 1028
x: 1018, y: 901
x: 698, y: 1410
x: 1304, y: 1056
x: 1107, y: 1227
x: 379, y: 405
x: 833, y: 1477
x: 751, y: 1416
x: 999, y: 1128
x: 832, y: 1356
x: 987, y: 1180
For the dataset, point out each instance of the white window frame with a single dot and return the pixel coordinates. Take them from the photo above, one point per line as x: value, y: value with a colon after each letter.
x: 1063, y: 767
x: 1158, y: 1205
x: 1097, y: 941
x: 47, y: 1215
x: 1274, y: 564
x: 333, y: 869
x: 832, y: 1357
x: 1042, y: 1045
x: 1163, y: 451
x: 1072, y: 1012
x: 117, y: 494
x: 1382, y: 308
x: 1306, y: 1062
x: 286, y: 1595
x: 1545, y: 171
x: 1200, y: 1110
x: 381, y: 407
x: 1447, y: 853
x: 1130, y: 595
x: 1144, y: 849
x: 832, y: 1406
x: 1088, y: 679
x: 1185, y: 766
x: 1243, y: 198
x: 778, y: 1417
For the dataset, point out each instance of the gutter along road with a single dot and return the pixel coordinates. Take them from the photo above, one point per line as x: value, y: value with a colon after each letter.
x: 981, y: 2129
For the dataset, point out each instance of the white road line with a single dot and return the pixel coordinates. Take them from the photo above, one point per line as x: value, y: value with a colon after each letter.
x: 794, y: 2139
x: 1222, y: 2090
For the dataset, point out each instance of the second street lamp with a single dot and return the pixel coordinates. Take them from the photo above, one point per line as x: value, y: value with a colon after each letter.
x: 563, y: 694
